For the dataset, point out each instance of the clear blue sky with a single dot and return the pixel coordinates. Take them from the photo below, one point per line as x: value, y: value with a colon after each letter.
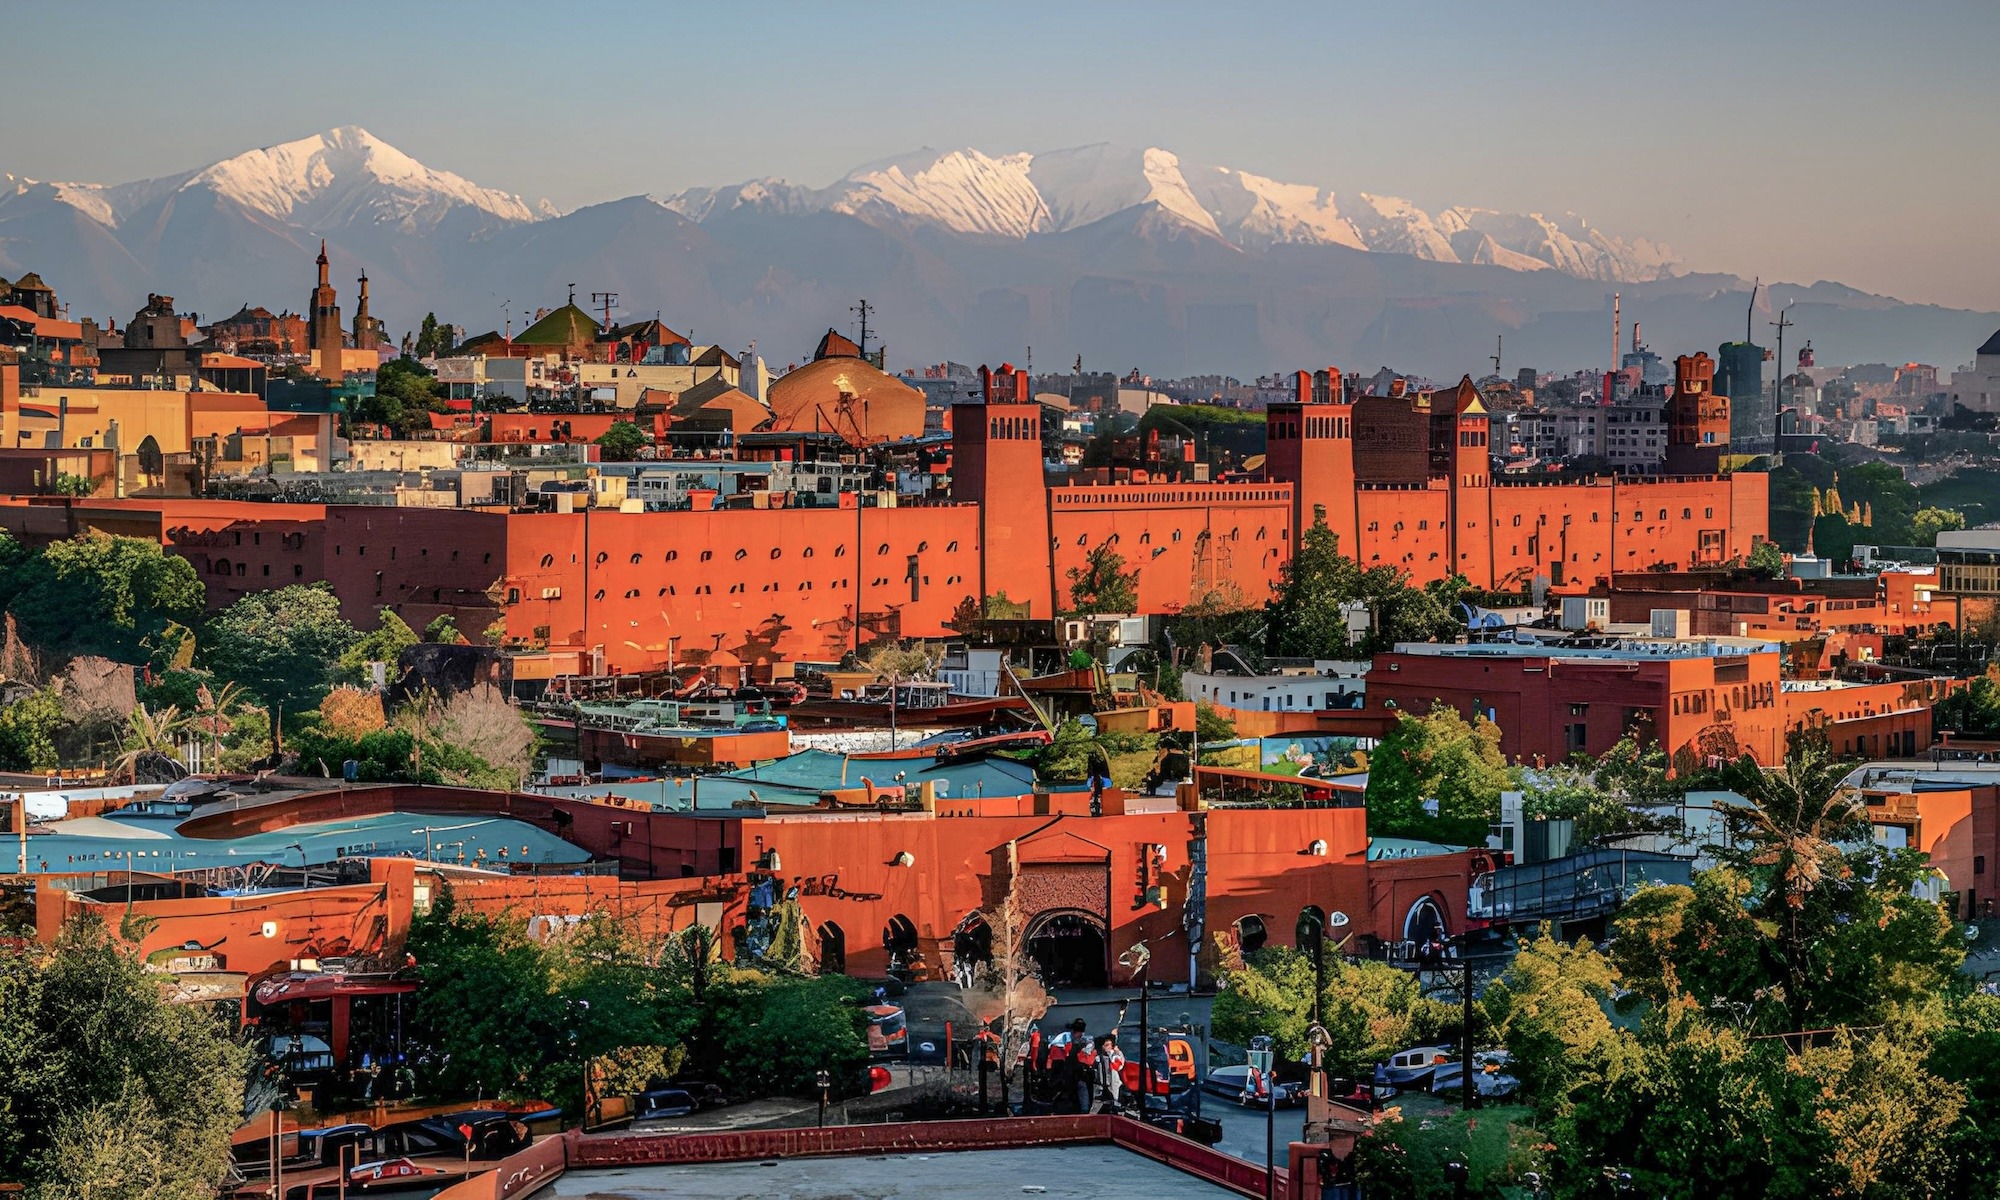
x: 1802, y: 141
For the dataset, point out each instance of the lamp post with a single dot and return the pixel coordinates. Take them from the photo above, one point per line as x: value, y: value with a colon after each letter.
x: 1137, y: 960
x: 825, y: 1081
x: 1456, y: 1174
x: 1263, y: 1060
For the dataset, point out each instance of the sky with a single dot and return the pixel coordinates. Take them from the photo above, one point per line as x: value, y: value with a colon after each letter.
x: 1794, y: 141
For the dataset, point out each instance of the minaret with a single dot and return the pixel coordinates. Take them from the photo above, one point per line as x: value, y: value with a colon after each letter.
x: 323, y: 332
x: 367, y: 333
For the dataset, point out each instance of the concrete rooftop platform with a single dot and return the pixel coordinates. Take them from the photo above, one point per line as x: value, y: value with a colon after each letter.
x: 1074, y: 1172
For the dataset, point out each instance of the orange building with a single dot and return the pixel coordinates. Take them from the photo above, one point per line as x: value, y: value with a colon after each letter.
x: 1403, y: 479
x: 915, y: 889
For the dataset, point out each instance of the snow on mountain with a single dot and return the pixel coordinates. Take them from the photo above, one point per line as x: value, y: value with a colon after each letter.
x: 1253, y: 209
x: 962, y: 190
x: 348, y: 176
x: 1021, y: 195
x: 1390, y: 225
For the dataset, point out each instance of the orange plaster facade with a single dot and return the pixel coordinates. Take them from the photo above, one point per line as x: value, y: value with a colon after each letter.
x: 630, y: 591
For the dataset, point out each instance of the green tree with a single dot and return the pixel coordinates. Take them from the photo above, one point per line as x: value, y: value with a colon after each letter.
x: 405, y: 396
x: 443, y: 629
x: 433, y: 338
x: 622, y: 442
x: 1766, y: 561
x: 1438, y: 757
x: 28, y: 729
x: 107, y: 1088
x: 282, y: 647
x: 384, y: 644
x: 1929, y: 522
x: 99, y: 595
x: 1972, y: 710
x: 1317, y: 590
x: 1789, y: 842
x: 1624, y: 791
x: 1102, y: 584
x: 1308, y: 617
x: 1368, y: 1009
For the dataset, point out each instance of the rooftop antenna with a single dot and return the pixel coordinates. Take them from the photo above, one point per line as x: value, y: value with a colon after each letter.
x: 572, y: 293
x: 1750, y: 314
x: 1499, y: 342
x: 862, y: 309
x: 1783, y: 323
x: 608, y: 299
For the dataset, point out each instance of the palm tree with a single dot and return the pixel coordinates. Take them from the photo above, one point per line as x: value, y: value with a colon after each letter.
x: 1790, y: 840
x: 215, y: 707
x: 149, y: 733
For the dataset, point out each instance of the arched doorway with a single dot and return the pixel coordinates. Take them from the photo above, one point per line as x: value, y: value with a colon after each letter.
x: 832, y: 949
x: 899, y: 938
x: 1425, y: 923
x: 1251, y: 934
x: 971, y: 948
x: 1068, y: 948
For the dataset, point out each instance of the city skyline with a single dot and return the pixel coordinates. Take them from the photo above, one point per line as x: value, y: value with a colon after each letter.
x: 1566, y: 108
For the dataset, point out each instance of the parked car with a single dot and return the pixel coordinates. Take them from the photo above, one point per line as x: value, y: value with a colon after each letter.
x: 1232, y: 1083
x: 1414, y: 1067
x: 1449, y: 1082
x: 659, y: 1103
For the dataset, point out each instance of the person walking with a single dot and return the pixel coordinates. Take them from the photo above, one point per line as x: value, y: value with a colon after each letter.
x: 1107, y: 1081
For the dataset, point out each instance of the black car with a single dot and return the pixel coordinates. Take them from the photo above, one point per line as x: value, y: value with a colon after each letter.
x: 660, y: 1103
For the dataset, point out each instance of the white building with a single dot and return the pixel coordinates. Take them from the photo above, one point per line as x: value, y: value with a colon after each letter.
x: 1297, y: 687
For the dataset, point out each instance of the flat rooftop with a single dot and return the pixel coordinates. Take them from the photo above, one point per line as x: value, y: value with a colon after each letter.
x: 1097, y: 1172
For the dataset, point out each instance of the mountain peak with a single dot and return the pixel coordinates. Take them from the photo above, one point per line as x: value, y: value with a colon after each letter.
x: 346, y: 173
x: 1021, y: 195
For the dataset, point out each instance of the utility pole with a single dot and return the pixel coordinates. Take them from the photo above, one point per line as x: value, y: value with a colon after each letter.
x: 1499, y: 342
x: 1783, y: 323
x: 608, y: 299
x: 862, y: 310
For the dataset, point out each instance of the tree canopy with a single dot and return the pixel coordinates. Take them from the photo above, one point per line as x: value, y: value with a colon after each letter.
x: 107, y: 1088
x: 622, y: 442
x: 1320, y: 586
x: 282, y: 646
x: 405, y: 396
x: 120, y: 598
x: 1102, y: 584
x: 1443, y: 758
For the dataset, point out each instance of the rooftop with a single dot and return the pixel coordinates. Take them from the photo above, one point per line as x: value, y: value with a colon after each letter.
x: 1622, y: 649
x: 1099, y: 1172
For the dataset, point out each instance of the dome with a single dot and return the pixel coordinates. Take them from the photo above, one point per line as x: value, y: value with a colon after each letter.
x: 847, y: 396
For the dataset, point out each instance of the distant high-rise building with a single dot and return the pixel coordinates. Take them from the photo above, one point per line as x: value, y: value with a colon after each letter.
x: 1739, y: 375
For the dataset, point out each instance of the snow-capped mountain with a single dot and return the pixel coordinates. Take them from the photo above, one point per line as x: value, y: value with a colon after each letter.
x: 1019, y: 195
x: 327, y: 182
x: 346, y: 176
x: 1127, y: 256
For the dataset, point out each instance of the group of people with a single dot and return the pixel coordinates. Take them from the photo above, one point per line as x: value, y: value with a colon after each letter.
x: 1076, y: 1073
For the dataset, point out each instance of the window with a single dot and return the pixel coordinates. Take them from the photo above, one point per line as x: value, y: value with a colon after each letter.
x: 298, y: 572
x: 600, y: 594
x: 548, y: 560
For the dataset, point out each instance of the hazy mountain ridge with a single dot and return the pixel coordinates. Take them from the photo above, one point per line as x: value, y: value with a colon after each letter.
x: 1128, y: 257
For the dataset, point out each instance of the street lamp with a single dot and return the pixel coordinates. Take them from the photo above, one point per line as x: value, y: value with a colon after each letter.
x: 825, y: 1081
x: 1456, y: 1174
x: 1263, y: 1060
x: 1136, y: 960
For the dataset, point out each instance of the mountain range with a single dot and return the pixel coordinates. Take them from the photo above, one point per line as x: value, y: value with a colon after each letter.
x: 1123, y: 256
